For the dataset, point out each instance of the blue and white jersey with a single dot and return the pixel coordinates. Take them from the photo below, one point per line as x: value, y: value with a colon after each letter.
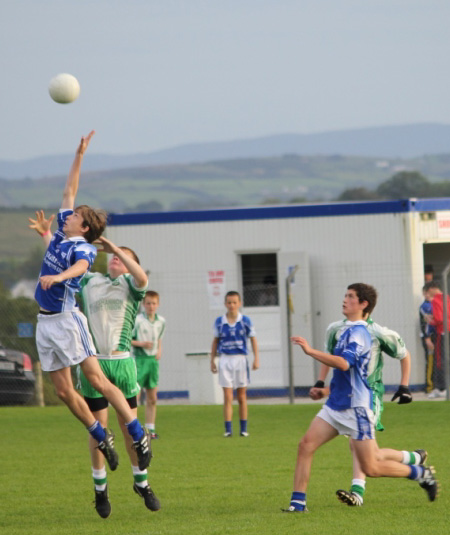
x: 426, y: 308
x: 350, y: 389
x: 61, y: 254
x: 233, y: 337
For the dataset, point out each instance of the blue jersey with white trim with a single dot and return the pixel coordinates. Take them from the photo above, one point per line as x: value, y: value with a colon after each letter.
x: 62, y: 253
x: 349, y: 389
x: 233, y: 338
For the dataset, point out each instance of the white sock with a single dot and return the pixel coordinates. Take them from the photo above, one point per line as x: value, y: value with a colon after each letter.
x: 140, y: 476
x: 150, y: 427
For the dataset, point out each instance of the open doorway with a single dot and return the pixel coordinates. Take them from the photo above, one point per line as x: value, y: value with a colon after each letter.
x: 436, y: 256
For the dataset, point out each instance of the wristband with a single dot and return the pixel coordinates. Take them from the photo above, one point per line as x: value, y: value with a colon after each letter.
x: 319, y: 384
x: 46, y: 233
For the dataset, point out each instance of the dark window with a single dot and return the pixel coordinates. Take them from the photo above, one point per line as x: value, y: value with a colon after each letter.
x: 259, y: 280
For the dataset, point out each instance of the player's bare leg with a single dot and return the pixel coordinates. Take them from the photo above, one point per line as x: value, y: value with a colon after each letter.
x: 62, y: 381
x: 151, y: 398
x: 319, y: 432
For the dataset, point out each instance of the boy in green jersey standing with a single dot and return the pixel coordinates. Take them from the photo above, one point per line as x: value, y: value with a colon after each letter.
x: 147, y: 348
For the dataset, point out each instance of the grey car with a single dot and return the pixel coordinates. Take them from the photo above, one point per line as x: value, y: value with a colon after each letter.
x: 17, y: 380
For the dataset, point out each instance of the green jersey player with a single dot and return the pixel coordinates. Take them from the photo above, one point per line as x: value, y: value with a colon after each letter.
x: 387, y: 341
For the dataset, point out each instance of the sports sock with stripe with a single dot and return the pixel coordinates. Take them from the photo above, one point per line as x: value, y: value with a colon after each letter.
x: 99, y: 477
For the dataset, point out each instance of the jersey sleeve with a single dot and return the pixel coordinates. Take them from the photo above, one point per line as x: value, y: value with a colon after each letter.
x: 63, y: 214
x: 137, y: 293
x: 216, y: 328
x: 84, y: 251
x: 163, y: 328
x: 249, y: 327
x: 391, y: 342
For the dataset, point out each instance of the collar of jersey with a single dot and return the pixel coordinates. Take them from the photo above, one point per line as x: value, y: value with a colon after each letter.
x: 369, y: 321
x: 225, y: 319
x: 75, y: 238
x: 148, y: 319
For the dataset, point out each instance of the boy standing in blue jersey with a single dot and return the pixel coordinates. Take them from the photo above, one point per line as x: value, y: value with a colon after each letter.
x: 348, y: 410
x: 231, y: 334
x: 62, y: 336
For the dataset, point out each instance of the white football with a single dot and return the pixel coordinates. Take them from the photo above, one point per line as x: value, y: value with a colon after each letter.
x: 64, y: 88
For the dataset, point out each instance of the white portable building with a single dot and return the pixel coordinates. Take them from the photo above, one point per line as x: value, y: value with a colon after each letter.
x: 194, y: 257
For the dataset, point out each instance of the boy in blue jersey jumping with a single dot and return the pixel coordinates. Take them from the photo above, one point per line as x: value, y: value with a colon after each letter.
x: 231, y: 334
x: 62, y: 335
x: 348, y: 408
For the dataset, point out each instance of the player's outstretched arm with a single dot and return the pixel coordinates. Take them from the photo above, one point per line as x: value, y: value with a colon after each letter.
x: 71, y: 189
x: 42, y: 226
x: 330, y: 360
x: 138, y: 274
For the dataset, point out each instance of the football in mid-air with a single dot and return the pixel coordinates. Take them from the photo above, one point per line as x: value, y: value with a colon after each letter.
x: 64, y: 88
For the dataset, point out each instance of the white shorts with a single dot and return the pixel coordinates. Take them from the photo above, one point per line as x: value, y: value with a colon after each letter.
x: 63, y: 340
x: 233, y: 371
x: 357, y: 423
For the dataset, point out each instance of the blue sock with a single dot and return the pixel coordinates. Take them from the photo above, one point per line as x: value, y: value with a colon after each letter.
x: 298, y: 500
x: 416, y: 472
x: 243, y: 426
x: 97, y: 431
x: 135, y: 429
x: 229, y: 427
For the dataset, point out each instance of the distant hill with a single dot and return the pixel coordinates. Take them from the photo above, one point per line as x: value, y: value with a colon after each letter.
x: 404, y: 141
x: 243, y: 181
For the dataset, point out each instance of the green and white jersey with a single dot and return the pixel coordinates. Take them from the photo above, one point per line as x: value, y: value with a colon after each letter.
x: 148, y: 331
x: 384, y: 340
x: 111, y: 306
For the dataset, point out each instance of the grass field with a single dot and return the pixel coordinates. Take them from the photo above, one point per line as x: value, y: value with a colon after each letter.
x: 211, y: 485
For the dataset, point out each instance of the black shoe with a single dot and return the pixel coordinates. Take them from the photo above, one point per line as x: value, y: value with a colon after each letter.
x: 429, y: 482
x: 151, y: 501
x: 143, y: 450
x: 154, y: 436
x: 102, y: 505
x: 349, y: 498
x: 107, y: 448
x: 423, y: 455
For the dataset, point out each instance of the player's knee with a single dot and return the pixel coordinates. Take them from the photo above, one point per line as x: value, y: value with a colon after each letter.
x: 370, y: 469
x: 305, y: 446
x: 64, y: 393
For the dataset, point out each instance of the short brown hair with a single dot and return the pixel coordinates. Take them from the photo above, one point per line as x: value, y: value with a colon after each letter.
x: 94, y: 219
x: 232, y: 293
x: 134, y: 256
x: 151, y: 293
x: 365, y: 292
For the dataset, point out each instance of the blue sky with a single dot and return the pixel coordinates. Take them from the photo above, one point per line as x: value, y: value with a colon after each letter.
x: 156, y: 74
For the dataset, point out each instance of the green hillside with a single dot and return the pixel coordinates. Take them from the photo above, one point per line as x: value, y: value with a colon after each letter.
x: 230, y: 182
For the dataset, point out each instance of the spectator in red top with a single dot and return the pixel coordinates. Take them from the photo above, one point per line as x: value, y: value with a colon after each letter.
x: 434, y: 295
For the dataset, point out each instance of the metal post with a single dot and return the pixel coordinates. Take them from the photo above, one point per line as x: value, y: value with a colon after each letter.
x: 289, y: 310
x: 445, y: 360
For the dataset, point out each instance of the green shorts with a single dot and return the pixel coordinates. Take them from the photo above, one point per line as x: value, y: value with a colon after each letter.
x: 147, y: 372
x: 121, y: 372
x: 377, y: 405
